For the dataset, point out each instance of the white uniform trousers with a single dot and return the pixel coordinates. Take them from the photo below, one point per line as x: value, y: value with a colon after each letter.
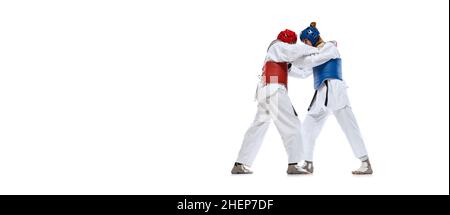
x: 339, y: 105
x: 277, y: 108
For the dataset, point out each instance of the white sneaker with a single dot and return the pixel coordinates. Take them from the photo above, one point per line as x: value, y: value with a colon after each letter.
x: 240, y: 169
x: 295, y: 170
x: 308, y: 166
x: 364, y: 169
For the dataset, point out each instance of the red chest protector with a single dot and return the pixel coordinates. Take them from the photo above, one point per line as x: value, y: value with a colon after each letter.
x: 276, y: 73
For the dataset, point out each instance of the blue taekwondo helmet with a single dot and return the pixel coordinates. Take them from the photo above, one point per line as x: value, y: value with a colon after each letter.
x: 311, y: 33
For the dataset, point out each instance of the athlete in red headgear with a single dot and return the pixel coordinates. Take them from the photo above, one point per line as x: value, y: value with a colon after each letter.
x: 274, y: 104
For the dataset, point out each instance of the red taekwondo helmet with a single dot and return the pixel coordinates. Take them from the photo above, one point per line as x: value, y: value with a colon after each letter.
x: 287, y: 36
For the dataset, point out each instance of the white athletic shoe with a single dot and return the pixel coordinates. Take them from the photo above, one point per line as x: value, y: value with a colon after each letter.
x: 308, y: 166
x: 295, y: 170
x: 364, y: 169
x: 240, y: 169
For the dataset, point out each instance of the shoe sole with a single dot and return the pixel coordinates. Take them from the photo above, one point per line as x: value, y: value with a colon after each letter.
x: 241, y: 173
x: 362, y: 173
x: 299, y: 173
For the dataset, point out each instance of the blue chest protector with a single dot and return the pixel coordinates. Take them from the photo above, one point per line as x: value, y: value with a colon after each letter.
x: 332, y: 69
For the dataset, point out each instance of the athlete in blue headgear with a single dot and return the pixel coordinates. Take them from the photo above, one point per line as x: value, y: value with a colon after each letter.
x: 330, y: 97
x: 274, y: 103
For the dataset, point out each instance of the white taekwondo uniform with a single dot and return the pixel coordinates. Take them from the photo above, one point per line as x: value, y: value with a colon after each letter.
x: 274, y: 104
x: 331, y: 99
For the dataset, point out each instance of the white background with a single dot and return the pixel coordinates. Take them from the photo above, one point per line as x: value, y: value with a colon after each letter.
x: 154, y: 97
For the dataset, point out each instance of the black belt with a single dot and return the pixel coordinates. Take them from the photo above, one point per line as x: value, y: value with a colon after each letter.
x: 315, y: 95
